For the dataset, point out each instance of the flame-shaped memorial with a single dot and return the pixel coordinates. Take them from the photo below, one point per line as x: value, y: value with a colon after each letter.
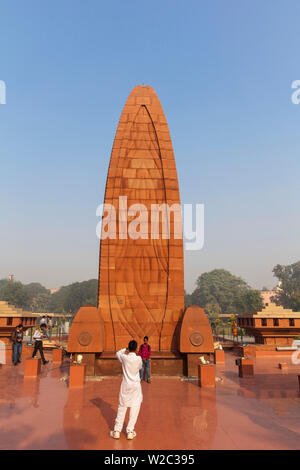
x: 141, y: 275
x: 141, y: 284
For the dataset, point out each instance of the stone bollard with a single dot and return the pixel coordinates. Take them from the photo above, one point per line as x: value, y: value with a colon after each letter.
x: 32, y: 367
x: 246, y: 367
x: 77, y: 374
x: 57, y: 355
x: 27, y: 350
x: 219, y: 356
x: 206, y: 375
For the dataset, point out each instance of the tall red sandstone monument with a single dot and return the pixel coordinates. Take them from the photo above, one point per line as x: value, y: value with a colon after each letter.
x: 141, y: 278
x: 141, y: 283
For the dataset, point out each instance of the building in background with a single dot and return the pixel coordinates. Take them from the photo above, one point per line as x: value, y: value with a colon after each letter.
x: 273, y: 325
x: 267, y: 295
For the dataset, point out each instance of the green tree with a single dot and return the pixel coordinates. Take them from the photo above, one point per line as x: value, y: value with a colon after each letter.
x: 289, y: 293
x: 14, y: 293
x: 3, y: 282
x: 41, y: 303
x: 70, y: 298
x: 249, y: 302
x: 219, y: 287
x: 35, y: 288
x: 217, y: 323
x: 187, y: 299
x: 213, y: 310
x: 295, y: 302
x: 39, y: 297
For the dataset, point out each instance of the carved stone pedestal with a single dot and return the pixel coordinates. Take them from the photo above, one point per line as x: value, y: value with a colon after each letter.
x: 206, y: 375
x: 246, y: 368
x: 32, y: 367
x: 77, y: 373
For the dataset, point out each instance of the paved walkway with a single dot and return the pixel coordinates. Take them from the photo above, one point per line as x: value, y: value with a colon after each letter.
x: 260, y: 412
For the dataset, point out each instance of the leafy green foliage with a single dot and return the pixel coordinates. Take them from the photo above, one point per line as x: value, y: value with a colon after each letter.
x: 41, y: 303
x: 37, y: 298
x: 249, y: 302
x: 213, y: 310
x: 14, y: 293
x: 187, y: 299
x: 289, y: 293
x: 70, y: 298
x: 219, y: 291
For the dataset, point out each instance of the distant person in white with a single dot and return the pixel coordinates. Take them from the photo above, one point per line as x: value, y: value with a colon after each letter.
x: 131, y: 391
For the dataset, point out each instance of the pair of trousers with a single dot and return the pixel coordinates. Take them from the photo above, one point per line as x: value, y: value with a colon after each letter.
x: 146, y: 363
x: 133, y: 416
x: 38, y: 345
x: 16, y: 352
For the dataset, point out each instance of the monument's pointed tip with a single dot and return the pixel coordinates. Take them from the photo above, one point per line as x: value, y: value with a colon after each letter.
x: 142, y: 88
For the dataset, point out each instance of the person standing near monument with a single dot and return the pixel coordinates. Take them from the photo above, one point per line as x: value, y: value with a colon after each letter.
x: 38, y: 336
x: 131, y: 391
x: 43, y: 320
x: 17, y: 338
x: 49, y: 327
x: 145, y: 353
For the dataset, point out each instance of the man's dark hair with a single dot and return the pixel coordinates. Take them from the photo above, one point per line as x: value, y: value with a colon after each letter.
x: 145, y: 337
x: 19, y: 326
x: 132, y: 345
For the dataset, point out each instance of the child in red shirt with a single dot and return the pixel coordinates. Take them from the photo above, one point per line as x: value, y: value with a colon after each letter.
x: 145, y: 353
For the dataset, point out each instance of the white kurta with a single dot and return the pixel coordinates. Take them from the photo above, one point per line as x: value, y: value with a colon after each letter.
x: 131, y: 390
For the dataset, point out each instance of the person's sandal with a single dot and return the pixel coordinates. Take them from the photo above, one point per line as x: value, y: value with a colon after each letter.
x: 131, y: 435
x: 115, y: 434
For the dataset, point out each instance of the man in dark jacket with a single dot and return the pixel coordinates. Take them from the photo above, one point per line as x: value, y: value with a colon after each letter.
x: 17, y: 338
x: 38, y: 336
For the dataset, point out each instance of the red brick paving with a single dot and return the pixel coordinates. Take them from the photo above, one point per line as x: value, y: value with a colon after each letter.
x: 259, y: 412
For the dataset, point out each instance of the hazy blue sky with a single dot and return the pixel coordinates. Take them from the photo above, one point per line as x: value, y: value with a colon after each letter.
x: 223, y: 72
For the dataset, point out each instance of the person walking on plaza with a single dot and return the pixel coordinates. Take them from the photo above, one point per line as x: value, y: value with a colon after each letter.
x: 17, y: 338
x: 131, y: 391
x: 49, y: 327
x: 38, y: 336
x: 145, y: 353
x: 43, y: 320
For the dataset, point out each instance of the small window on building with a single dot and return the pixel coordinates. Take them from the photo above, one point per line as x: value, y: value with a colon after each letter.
x: 276, y: 322
x: 292, y: 321
x: 9, y: 321
x: 263, y: 322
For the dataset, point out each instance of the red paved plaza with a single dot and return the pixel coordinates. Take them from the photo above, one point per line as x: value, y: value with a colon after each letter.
x: 260, y: 412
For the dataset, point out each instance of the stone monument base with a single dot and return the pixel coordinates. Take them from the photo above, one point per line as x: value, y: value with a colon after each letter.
x: 162, y: 363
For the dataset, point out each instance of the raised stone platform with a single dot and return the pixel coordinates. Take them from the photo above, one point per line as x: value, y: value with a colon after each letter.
x: 263, y: 350
x: 162, y: 363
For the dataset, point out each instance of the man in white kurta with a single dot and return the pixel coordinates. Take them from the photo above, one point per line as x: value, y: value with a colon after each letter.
x: 131, y: 391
